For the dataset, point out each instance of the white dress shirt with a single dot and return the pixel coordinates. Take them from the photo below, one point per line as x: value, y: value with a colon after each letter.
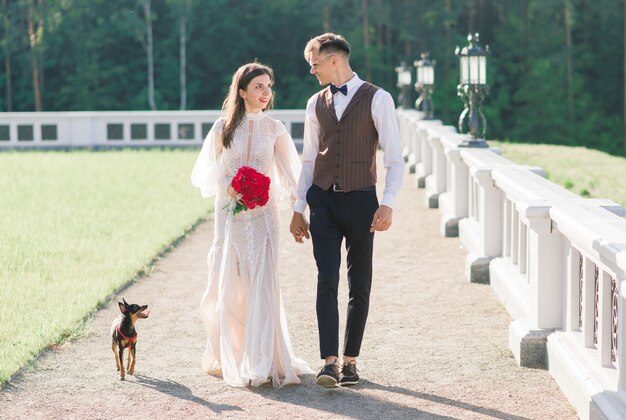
x: 384, y: 117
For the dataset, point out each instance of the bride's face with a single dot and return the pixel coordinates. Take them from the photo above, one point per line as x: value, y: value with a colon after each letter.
x: 256, y: 96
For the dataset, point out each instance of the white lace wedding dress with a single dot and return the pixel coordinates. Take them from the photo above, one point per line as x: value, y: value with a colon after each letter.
x: 242, y: 308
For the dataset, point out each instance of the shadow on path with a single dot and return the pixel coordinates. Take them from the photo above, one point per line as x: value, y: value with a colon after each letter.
x: 355, y: 403
x: 178, y: 390
x: 341, y: 401
x: 442, y: 400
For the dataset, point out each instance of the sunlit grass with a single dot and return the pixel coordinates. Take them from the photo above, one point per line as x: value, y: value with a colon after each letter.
x: 74, y: 227
x: 587, y: 172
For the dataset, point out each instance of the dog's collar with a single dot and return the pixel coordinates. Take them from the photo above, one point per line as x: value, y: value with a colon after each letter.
x: 131, y: 340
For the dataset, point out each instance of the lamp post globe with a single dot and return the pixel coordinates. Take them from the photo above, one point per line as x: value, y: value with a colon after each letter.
x: 472, y: 89
x: 424, y: 84
x: 404, y: 85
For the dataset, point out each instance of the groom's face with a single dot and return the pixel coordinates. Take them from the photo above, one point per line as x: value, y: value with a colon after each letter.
x: 321, y: 66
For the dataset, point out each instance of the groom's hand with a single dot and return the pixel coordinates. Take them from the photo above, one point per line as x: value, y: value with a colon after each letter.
x: 299, y: 227
x: 382, y: 219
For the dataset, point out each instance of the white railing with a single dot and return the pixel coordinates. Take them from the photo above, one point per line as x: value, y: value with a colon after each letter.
x: 405, y: 125
x: 586, y: 355
x: 481, y: 231
x: 120, y: 129
x: 435, y: 181
x: 423, y: 166
x: 556, y: 260
x: 453, y: 200
x: 527, y: 275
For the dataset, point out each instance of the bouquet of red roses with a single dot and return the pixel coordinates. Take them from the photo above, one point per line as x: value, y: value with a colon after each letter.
x: 252, y: 189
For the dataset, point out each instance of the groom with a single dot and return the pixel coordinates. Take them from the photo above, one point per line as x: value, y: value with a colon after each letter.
x: 344, y: 125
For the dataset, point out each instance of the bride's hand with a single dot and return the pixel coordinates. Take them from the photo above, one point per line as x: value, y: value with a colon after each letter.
x: 299, y: 227
x: 234, y: 194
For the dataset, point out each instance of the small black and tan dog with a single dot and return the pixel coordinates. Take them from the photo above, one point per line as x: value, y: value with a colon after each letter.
x: 124, y: 335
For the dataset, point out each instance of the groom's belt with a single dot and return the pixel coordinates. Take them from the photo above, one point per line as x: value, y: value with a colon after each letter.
x: 336, y: 188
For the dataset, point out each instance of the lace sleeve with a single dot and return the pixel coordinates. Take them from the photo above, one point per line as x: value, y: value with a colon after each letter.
x: 280, y: 128
x: 287, y: 165
x: 209, y: 173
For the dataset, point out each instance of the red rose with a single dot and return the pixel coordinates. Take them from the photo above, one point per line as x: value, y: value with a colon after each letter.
x: 253, y: 186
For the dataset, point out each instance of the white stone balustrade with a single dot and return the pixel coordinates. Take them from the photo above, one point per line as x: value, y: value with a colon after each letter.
x: 587, y: 354
x: 481, y: 231
x: 436, y: 181
x: 407, y: 122
x: 405, y: 132
x: 453, y: 201
x: 424, y: 167
x: 417, y: 150
x: 528, y: 276
x: 404, y: 117
x: 527, y: 233
x: 414, y: 146
x: 433, y: 154
x: 553, y: 258
x: 119, y: 129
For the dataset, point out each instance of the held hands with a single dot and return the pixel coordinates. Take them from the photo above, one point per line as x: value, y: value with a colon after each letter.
x: 382, y: 219
x: 299, y: 227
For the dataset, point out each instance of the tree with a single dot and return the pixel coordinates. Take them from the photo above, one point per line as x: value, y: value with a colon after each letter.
x: 182, y: 10
x: 34, y: 37
x: 6, y: 22
x: 567, y: 12
x: 366, y: 39
x: 148, y: 45
x: 183, y: 53
x: 539, y: 90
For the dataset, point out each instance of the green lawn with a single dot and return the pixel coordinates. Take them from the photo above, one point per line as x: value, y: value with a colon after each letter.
x: 586, y: 172
x: 74, y: 227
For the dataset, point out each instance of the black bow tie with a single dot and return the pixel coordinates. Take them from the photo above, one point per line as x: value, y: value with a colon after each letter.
x: 343, y: 89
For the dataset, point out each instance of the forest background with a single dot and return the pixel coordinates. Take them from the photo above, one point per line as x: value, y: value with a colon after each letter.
x: 556, y: 72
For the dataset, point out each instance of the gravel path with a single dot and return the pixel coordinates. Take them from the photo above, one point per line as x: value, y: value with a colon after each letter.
x: 435, y: 345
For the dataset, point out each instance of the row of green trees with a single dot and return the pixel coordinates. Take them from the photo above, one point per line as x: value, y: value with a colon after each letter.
x: 556, y: 70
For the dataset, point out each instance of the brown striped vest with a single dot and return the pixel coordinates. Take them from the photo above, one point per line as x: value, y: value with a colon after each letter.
x: 347, y: 148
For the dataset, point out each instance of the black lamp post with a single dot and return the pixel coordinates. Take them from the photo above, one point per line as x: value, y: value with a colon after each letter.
x: 404, y: 83
x: 425, y: 76
x: 472, y: 89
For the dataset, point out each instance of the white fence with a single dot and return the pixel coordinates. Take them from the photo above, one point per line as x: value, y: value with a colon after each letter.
x: 556, y: 260
x: 120, y: 129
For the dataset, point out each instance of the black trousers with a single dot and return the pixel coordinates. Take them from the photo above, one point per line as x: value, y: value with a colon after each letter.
x: 334, y: 216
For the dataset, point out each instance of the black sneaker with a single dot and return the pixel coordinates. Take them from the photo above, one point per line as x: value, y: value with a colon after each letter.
x: 328, y: 376
x: 349, y: 375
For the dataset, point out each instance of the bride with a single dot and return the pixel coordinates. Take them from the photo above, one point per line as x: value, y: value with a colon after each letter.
x: 242, y: 308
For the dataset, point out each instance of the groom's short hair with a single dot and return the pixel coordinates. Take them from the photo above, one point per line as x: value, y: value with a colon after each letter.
x: 328, y: 43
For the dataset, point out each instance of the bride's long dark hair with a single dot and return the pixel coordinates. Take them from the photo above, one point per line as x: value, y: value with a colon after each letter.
x: 234, y: 106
